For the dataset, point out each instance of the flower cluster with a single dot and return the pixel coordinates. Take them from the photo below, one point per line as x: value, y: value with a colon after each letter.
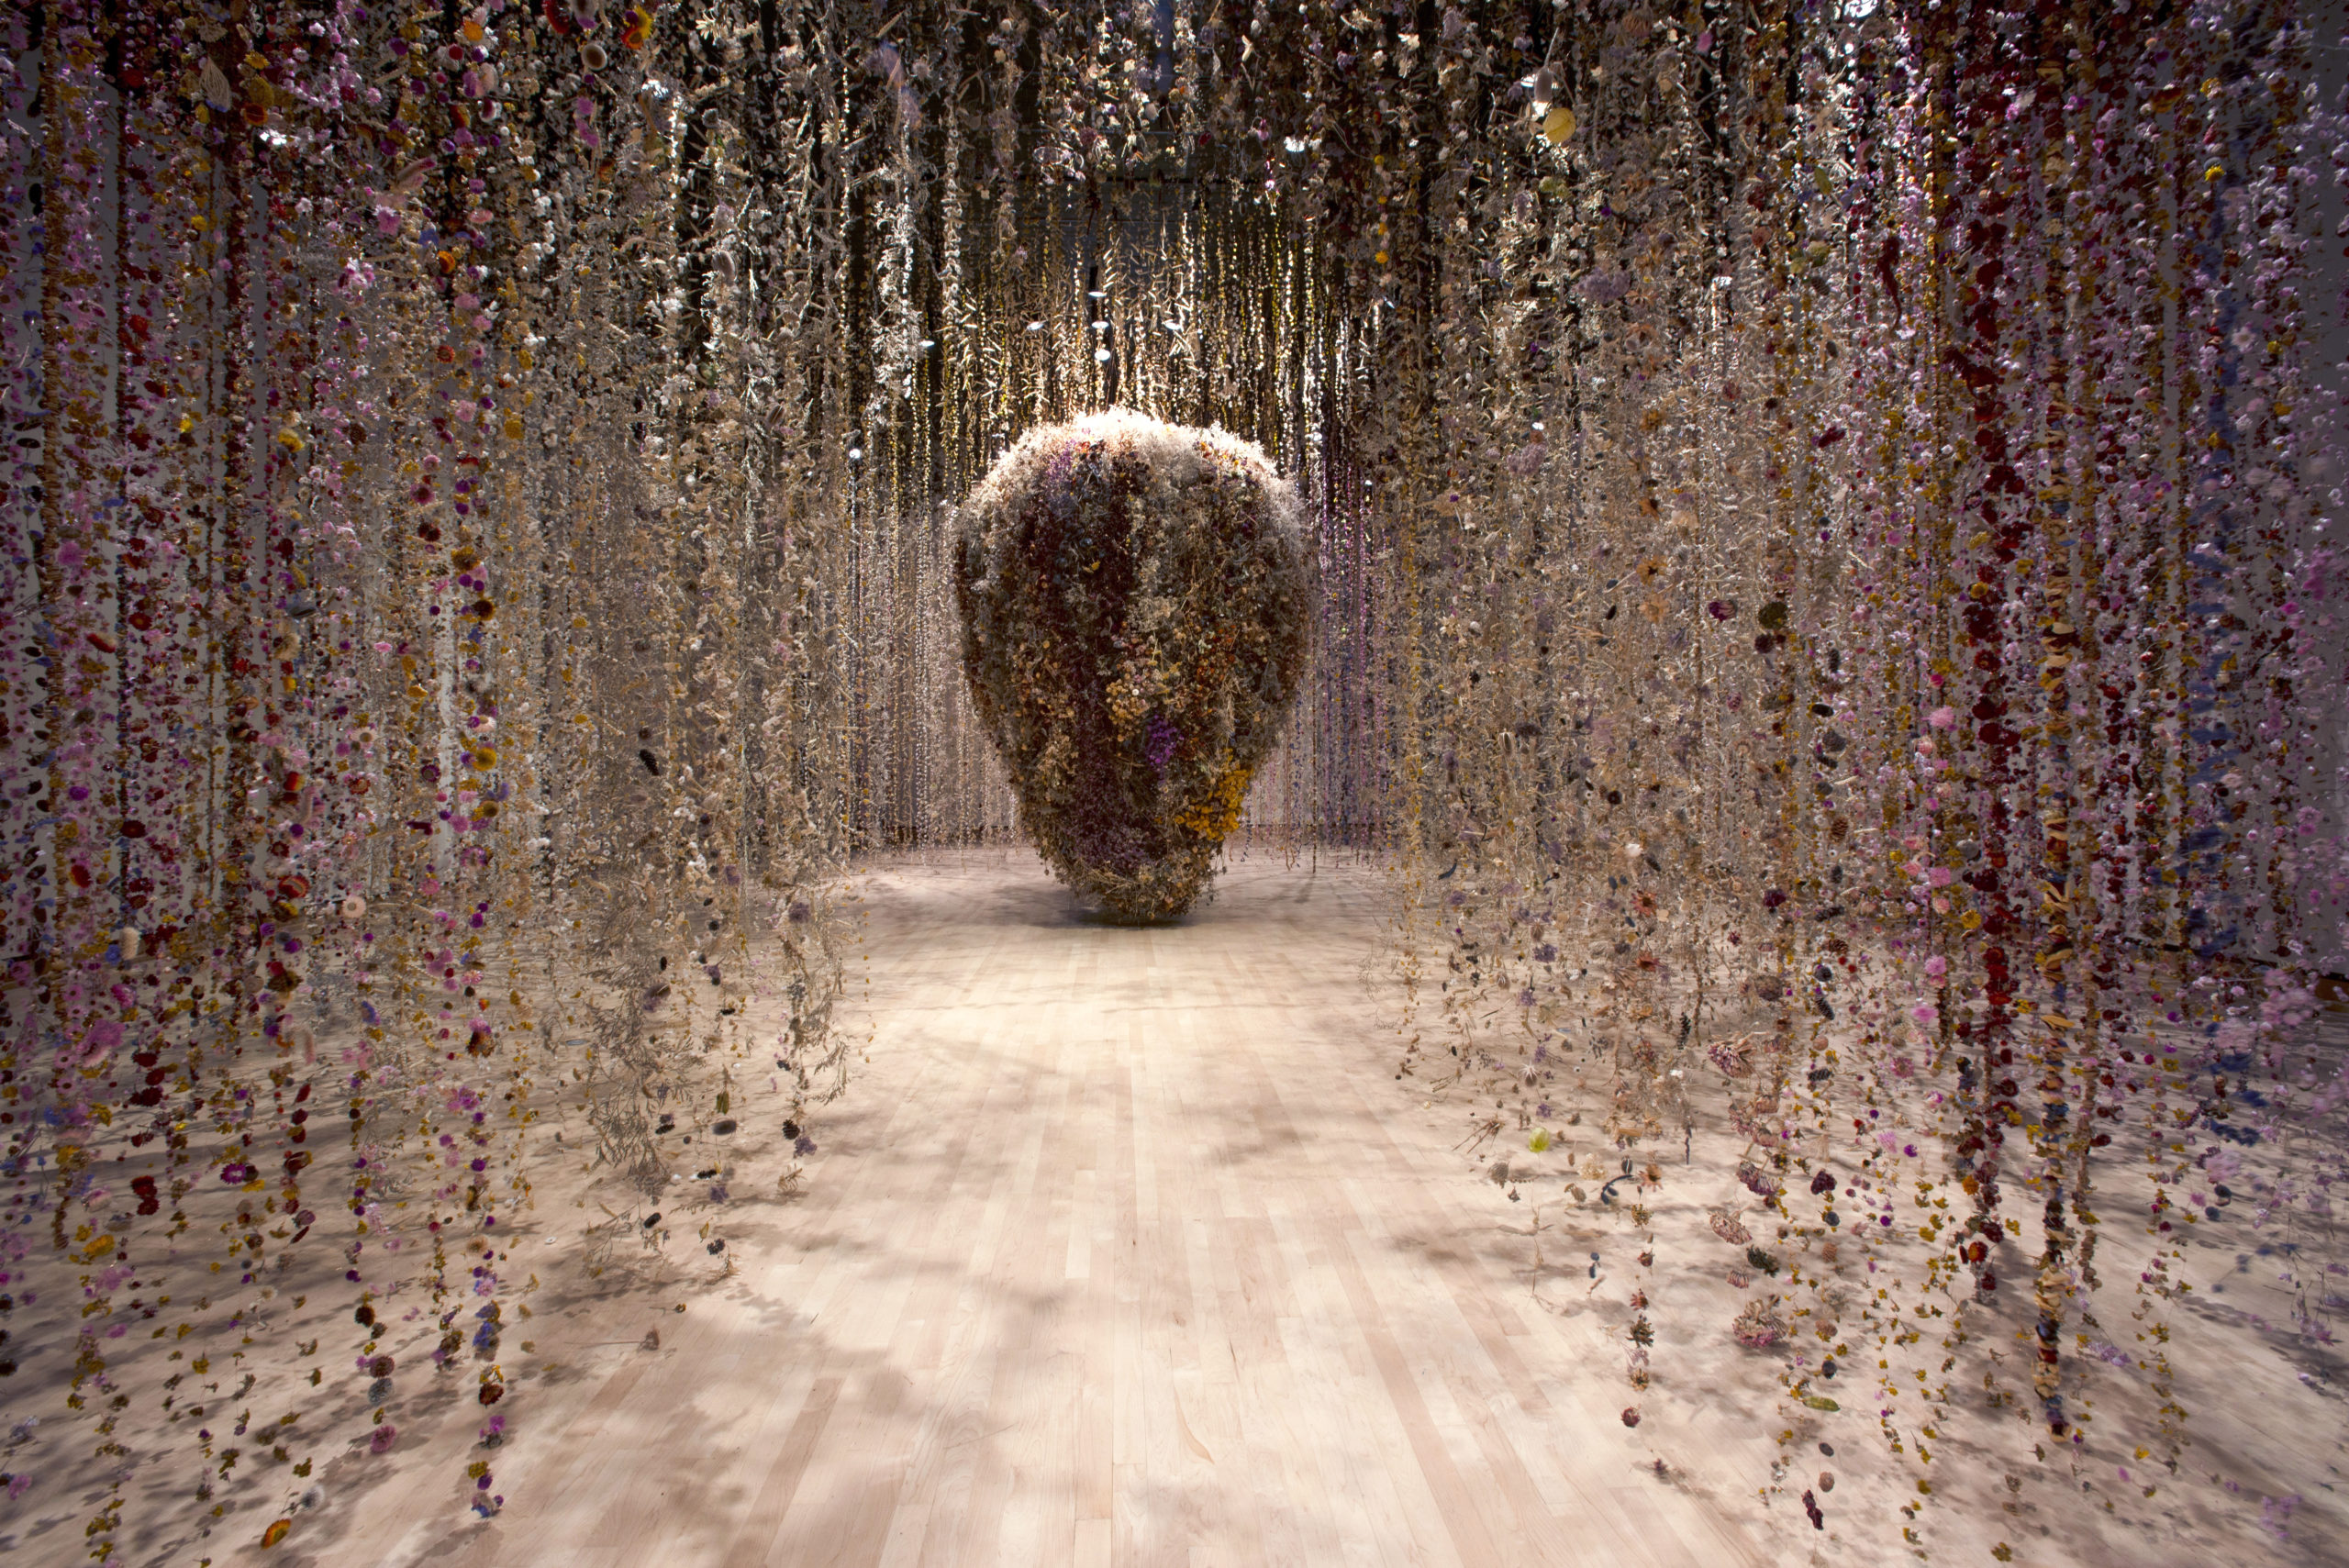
x: 1133, y: 600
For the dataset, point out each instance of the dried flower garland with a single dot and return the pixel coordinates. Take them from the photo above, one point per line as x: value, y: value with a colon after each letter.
x: 1824, y: 519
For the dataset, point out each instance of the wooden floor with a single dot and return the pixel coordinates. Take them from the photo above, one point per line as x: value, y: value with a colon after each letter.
x: 1126, y: 1248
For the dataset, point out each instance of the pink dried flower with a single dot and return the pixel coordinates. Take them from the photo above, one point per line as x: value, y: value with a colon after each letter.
x: 1758, y: 1327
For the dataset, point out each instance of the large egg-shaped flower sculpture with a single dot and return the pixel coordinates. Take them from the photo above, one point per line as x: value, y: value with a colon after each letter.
x: 1133, y: 606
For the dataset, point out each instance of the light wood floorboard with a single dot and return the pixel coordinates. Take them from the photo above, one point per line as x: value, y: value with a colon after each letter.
x: 1125, y: 1251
